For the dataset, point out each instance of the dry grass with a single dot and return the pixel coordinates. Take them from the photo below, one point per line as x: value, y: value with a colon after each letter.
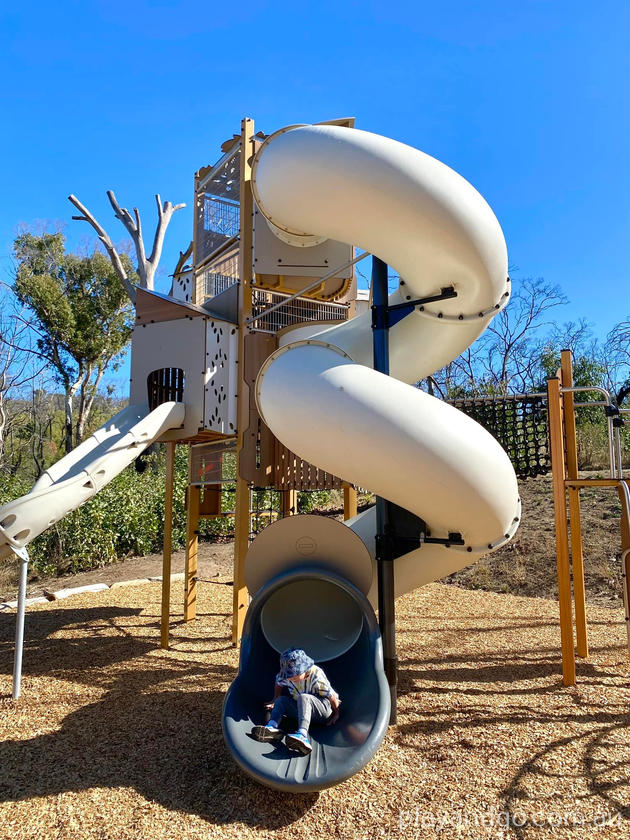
x: 117, y: 739
x: 527, y: 564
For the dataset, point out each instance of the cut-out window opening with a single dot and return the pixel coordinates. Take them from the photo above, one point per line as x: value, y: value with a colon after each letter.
x: 165, y: 385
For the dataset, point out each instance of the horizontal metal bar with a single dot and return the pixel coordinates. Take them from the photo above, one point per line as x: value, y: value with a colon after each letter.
x: 445, y: 295
x: 593, y: 404
x: 485, y: 398
x: 585, y: 388
x: 310, y: 286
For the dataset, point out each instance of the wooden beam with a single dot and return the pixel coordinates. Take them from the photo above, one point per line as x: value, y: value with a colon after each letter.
x: 241, y: 516
x: 349, y: 501
x: 289, y: 502
x: 192, y: 544
x: 592, y: 482
x: 562, y: 537
x: 575, y: 518
x: 168, y: 545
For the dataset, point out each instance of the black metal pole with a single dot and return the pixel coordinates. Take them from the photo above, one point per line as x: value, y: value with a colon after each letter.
x: 384, y: 553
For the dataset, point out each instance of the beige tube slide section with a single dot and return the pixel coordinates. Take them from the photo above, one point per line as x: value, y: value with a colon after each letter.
x: 84, y: 471
x: 320, y: 395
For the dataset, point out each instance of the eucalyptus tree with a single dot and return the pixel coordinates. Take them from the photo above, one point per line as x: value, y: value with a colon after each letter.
x: 81, y: 315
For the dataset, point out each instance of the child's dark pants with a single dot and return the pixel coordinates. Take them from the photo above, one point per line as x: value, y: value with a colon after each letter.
x: 308, y: 707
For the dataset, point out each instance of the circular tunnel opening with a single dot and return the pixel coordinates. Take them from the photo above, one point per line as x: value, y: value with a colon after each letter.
x: 316, y: 615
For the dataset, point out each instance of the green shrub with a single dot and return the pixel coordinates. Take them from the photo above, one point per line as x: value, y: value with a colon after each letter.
x: 127, y: 517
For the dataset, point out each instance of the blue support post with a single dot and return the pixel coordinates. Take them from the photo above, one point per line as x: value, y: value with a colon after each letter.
x: 384, y: 548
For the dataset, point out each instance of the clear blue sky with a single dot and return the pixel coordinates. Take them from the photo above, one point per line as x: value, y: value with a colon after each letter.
x: 527, y: 100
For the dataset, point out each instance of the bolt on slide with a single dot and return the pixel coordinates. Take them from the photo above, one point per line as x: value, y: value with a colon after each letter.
x: 313, y: 580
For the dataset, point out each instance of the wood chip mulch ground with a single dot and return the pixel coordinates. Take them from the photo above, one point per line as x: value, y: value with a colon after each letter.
x: 115, y: 738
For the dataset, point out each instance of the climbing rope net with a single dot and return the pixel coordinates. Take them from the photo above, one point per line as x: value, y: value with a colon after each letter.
x: 519, y: 423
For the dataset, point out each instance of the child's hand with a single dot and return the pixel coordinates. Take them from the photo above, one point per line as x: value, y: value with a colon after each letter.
x: 269, y: 706
x: 334, y: 703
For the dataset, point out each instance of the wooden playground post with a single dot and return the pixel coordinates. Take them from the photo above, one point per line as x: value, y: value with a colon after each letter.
x: 192, y: 543
x: 562, y: 537
x: 289, y: 502
x: 242, y: 511
x: 168, y: 544
x: 349, y: 501
x: 575, y: 521
x: 625, y: 551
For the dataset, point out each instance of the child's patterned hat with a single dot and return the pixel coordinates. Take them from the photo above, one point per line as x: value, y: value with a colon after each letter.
x: 294, y: 661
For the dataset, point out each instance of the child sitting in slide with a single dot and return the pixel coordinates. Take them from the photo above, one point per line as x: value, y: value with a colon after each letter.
x: 311, y: 698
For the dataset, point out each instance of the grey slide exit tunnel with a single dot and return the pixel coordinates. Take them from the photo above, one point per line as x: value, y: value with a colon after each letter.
x: 314, y: 608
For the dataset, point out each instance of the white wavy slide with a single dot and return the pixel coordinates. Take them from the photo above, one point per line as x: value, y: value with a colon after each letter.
x: 83, y: 472
x: 319, y: 394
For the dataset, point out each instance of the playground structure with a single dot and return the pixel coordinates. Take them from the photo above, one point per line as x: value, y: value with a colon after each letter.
x: 569, y: 554
x: 262, y: 350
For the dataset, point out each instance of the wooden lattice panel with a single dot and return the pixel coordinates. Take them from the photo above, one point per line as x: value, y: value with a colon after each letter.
x: 264, y: 461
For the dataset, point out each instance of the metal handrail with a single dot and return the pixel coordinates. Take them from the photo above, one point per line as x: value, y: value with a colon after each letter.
x: 495, y: 397
x: 614, y: 451
x: 317, y: 282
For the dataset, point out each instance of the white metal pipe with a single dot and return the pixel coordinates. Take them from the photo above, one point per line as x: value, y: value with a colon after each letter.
x: 22, y: 555
x: 578, y: 389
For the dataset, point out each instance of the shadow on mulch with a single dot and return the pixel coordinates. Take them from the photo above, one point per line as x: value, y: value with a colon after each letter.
x: 527, y: 669
x: 606, y: 779
x: 165, y: 744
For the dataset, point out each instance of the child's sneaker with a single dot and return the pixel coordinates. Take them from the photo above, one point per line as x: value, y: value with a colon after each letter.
x: 299, y: 742
x: 267, y: 733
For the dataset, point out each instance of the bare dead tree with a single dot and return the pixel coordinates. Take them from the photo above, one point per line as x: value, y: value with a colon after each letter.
x: 146, y: 265
x: 16, y: 367
x: 618, y: 360
x: 507, y: 356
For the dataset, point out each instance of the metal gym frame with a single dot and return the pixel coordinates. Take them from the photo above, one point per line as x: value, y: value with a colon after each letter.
x: 564, y: 463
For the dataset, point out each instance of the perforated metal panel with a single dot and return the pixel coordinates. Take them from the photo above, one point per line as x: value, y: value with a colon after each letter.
x: 217, y: 207
x: 182, y: 286
x: 220, y: 379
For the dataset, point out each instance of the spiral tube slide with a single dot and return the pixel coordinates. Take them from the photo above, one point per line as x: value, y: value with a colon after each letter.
x: 313, y: 579
x: 320, y: 395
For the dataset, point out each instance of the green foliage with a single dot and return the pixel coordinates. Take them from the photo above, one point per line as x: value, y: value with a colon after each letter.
x: 312, y: 500
x: 127, y: 517
x: 81, y: 307
x: 80, y: 311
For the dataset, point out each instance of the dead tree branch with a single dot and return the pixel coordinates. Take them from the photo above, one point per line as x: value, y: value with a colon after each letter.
x: 114, y: 256
x: 147, y: 266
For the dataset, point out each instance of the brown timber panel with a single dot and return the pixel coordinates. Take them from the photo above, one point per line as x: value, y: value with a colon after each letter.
x: 264, y: 461
x: 257, y: 455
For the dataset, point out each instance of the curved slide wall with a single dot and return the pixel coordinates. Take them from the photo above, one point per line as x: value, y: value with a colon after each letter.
x: 321, y: 397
